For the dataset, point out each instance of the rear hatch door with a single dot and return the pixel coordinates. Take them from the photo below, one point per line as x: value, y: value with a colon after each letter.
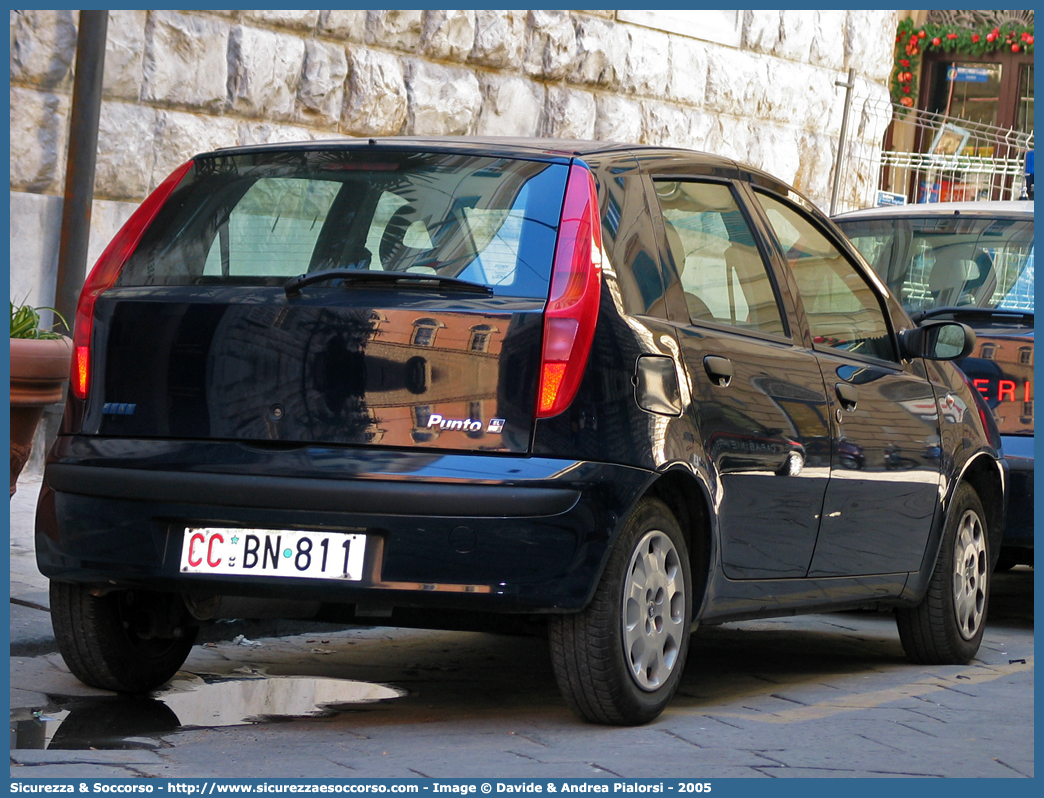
x: 418, y: 324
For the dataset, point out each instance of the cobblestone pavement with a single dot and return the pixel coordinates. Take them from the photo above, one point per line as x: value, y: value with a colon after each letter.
x: 824, y: 695
x: 819, y: 695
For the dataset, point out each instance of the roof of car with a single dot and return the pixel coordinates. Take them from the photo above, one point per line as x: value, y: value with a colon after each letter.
x: 549, y: 149
x: 979, y: 208
x: 487, y: 145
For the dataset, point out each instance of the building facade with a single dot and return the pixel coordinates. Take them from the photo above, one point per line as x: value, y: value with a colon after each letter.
x: 754, y: 85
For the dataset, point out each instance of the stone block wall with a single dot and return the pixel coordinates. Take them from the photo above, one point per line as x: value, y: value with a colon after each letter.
x: 180, y: 82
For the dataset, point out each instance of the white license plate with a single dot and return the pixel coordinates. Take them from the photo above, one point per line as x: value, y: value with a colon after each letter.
x: 273, y: 552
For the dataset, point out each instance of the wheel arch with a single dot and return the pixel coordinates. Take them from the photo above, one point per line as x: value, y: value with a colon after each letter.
x: 986, y: 475
x: 687, y: 499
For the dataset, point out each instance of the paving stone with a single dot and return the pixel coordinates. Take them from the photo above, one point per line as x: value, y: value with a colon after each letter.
x: 60, y: 757
x: 76, y: 771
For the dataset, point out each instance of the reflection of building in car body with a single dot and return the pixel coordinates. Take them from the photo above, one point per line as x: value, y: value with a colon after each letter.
x: 1002, y: 365
x: 440, y: 355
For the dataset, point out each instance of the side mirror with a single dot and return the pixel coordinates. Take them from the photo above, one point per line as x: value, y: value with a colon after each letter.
x: 938, y: 340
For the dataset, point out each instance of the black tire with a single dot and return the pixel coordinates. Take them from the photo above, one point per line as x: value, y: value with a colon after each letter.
x: 946, y: 628
x: 597, y: 675
x: 105, y: 639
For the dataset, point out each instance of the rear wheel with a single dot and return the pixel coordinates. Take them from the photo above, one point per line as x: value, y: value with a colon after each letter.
x: 946, y: 628
x: 620, y: 660
x: 127, y: 640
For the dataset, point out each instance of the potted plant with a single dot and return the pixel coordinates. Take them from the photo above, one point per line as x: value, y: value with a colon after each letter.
x: 40, y: 361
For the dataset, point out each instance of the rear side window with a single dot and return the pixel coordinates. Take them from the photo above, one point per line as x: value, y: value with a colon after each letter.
x: 722, y: 272
x: 844, y: 312
x: 261, y: 219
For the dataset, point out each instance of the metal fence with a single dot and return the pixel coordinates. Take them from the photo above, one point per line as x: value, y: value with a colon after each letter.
x: 927, y: 157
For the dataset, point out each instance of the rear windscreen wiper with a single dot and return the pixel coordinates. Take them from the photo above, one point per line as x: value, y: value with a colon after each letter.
x: 999, y: 315
x: 413, y: 279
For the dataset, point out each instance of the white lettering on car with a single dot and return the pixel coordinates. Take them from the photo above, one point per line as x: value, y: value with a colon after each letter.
x: 436, y: 421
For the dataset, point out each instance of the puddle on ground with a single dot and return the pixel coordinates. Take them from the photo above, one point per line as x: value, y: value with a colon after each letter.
x: 187, y: 701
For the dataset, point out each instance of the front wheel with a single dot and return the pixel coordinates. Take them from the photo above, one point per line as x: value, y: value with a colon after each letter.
x: 128, y: 641
x: 620, y: 660
x: 946, y: 628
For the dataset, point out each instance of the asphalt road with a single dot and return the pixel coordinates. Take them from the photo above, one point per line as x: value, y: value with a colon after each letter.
x: 823, y: 695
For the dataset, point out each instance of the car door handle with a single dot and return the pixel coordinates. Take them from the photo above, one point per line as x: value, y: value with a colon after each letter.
x: 847, y: 394
x: 719, y: 369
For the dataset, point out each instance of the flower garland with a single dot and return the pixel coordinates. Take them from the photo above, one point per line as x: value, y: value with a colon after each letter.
x: 911, y: 41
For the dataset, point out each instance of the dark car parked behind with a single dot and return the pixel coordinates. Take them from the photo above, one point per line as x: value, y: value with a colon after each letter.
x: 620, y: 388
x: 971, y: 262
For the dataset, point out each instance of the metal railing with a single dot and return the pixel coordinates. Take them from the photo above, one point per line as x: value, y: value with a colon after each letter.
x: 929, y: 157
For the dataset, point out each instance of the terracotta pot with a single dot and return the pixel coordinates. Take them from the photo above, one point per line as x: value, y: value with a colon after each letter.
x: 38, y: 369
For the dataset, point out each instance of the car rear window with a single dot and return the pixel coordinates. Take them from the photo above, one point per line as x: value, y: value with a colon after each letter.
x: 263, y: 218
x: 950, y: 261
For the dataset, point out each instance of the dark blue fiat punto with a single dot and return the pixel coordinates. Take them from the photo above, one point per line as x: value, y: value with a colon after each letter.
x: 622, y: 389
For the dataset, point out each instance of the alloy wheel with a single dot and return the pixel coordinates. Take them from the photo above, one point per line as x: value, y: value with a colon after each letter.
x: 970, y: 566
x: 653, y: 610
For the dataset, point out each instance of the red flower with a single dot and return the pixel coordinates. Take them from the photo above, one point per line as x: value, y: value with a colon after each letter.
x: 1014, y: 48
x: 906, y: 89
x: 906, y: 102
x: 951, y: 35
x: 975, y: 38
x: 904, y: 62
x: 936, y: 41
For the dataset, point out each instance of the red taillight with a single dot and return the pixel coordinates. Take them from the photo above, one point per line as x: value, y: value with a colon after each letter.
x: 107, y: 269
x: 572, y: 306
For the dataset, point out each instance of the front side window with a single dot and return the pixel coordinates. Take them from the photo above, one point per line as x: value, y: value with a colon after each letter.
x: 844, y: 312
x: 713, y: 250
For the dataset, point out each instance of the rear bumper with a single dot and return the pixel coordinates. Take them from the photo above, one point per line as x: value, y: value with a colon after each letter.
x: 474, y: 532
x: 1018, y: 530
